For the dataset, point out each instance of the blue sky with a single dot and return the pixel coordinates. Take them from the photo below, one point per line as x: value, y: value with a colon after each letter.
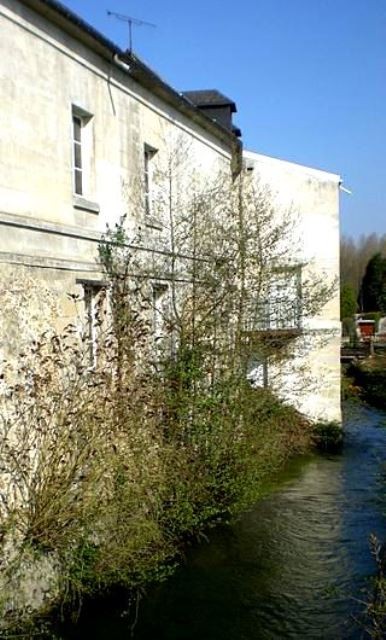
x: 308, y: 78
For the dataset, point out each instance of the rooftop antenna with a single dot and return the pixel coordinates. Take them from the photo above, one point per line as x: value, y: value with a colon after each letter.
x: 130, y: 21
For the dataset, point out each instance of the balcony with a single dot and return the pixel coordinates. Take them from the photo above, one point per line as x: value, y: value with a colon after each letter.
x: 274, y: 323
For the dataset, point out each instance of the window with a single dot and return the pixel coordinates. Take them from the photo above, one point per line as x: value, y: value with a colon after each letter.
x: 257, y: 370
x: 148, y: 155
x: 77, y: 154
x: 81, y: 152
x: 280, y: 305
x: 285, y: 299
x: 94, y: 297
x: 160, y: 301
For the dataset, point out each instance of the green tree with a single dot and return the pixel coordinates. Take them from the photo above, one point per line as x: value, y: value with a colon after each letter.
x: 355, y: 255
x: 348, y: 301
x: 373, y: 288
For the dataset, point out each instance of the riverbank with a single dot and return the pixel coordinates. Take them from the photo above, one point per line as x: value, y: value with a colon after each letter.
x: 295, y: 566
x: 369, y: 379
x: 211, y: 475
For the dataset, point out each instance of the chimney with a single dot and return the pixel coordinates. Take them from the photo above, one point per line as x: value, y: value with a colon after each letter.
x: 216, y: 106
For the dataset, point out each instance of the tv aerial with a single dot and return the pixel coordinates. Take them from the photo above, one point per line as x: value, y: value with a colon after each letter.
x: 131, y: 22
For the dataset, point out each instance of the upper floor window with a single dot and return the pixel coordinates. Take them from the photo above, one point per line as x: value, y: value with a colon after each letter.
x: 77, y: 153
x: 279, y: 305
x: 81, y: 150
x: 148, y: 155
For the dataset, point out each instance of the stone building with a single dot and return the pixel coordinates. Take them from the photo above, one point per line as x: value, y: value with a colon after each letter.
x: 307, y: 200
x: 85, y: 130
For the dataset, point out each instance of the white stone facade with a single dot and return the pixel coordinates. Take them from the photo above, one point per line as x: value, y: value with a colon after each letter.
x: 59, y: 77
x: 309, y: 199
x: 51, y: 71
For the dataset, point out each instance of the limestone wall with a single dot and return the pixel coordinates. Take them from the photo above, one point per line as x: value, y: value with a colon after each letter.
x: 48, y: 234
x: 309, y: 199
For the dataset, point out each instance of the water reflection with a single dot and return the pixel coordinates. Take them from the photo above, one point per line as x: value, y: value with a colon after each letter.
x: 293, y: 567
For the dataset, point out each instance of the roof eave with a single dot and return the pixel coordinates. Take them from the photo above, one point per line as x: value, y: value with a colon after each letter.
x: 59, y: 14
x: 67, y: 20
x: 151, y: 81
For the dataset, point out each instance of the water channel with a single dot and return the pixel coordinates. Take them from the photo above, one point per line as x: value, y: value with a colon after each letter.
x: 294, y: 566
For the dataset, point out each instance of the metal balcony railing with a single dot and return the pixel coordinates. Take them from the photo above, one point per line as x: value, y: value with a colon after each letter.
x: 274, y: 315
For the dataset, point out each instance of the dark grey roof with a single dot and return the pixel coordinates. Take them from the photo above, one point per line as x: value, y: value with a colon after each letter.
x: 209, y: 98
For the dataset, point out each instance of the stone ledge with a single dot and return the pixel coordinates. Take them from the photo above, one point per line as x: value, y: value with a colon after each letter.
x: 79, y: 202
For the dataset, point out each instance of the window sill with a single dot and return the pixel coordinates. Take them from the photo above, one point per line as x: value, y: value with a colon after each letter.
x: 79, y: 202
x: 153, y: 223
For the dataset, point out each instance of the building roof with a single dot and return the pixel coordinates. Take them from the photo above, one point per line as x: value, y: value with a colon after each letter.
x: 60, y: 9
x: 209, y: 98
x: 319, y: 174
x: 57, y: 13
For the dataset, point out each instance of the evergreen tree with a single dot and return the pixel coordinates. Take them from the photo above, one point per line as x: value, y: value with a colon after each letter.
x: 348, y: 302
x: 373, y: 288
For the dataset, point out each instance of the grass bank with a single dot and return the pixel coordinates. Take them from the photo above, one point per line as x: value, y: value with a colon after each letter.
x: 370, y: 377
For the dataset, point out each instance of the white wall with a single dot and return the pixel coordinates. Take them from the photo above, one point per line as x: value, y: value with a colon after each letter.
x: 43, y: 72
x: 44, y: 229
x: 309, y: 198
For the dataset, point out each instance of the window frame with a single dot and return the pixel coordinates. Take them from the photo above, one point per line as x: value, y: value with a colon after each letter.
x: 280, y: 307
x: 77, y: 154
x: 148, y: 170
x: 160, y: 300
x: 92, y: 290
x: 81, y: 157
